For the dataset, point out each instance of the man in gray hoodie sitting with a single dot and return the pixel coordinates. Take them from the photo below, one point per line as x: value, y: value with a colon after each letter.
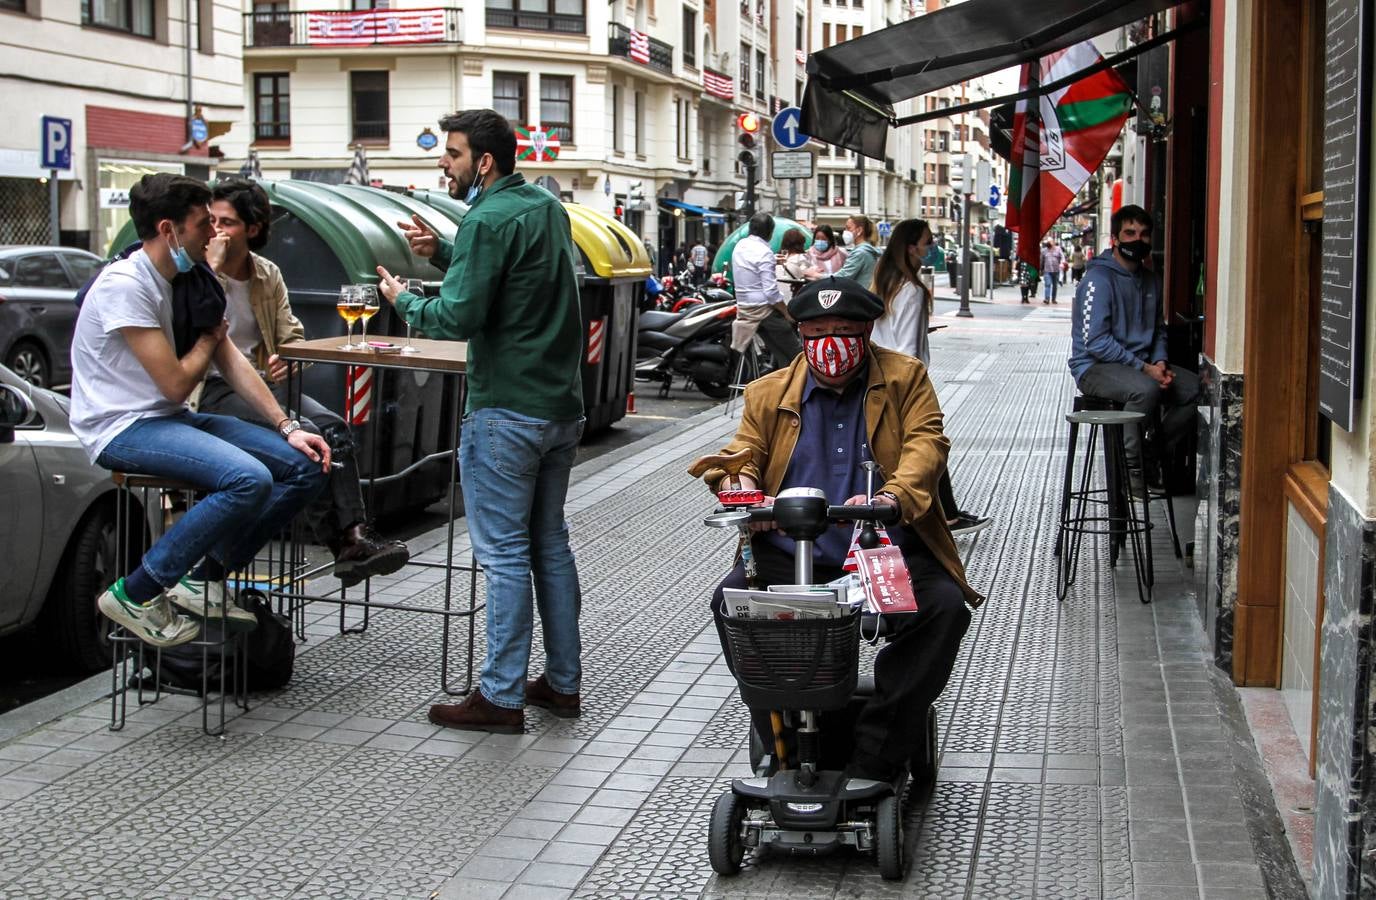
x: 1118, y: 337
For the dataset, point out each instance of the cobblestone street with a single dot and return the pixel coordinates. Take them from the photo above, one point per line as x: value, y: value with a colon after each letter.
x: 1089, y: 749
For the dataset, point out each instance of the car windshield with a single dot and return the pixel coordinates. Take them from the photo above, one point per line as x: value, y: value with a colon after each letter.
x: 82, y: 266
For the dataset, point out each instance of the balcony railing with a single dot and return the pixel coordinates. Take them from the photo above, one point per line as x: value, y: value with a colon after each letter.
x: 558, y: 23
x: 366, y: 28
x: 619, y: 44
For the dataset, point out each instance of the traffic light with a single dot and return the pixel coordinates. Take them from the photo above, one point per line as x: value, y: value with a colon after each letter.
x: 749, y: 125
x: 636, y: 196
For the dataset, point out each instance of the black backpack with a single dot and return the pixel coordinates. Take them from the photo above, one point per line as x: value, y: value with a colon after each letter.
x: 269, y: 649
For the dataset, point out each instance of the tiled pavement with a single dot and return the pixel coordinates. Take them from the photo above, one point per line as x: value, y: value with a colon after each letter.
x: 1084, y: 750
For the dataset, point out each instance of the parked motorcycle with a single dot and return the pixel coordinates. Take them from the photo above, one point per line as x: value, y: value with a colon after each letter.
x: 694, y: 343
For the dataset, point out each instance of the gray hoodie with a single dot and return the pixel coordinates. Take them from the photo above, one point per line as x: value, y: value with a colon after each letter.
x: 1116, y: 317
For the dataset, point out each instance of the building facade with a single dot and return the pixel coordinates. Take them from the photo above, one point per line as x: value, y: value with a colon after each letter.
x: 131, y: 78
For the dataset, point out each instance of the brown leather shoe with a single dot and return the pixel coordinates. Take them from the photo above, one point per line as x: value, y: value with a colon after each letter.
x: 476, y: 713
x: 360, y: 553
x: 539, y: 693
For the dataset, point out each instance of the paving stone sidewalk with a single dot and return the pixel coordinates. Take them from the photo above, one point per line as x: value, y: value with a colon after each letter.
x: 1085, y: 751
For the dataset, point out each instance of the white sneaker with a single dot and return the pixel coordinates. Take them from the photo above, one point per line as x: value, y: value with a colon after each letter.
x: 209, y: 602
x: 154, y: 622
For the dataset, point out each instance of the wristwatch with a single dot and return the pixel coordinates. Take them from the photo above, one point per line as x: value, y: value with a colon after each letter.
x: 288, y: 426
x: 891, y: 495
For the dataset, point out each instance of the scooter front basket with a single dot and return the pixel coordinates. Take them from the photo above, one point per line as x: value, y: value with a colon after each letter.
x: 794, y: 664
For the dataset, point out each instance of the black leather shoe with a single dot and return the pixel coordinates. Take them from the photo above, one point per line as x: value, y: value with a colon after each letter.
x: 361, y: 553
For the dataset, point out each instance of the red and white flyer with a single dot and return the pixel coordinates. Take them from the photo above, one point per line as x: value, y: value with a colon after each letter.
x: 884, y: 576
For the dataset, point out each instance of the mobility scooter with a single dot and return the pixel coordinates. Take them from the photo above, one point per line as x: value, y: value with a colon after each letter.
x: 805, y: 673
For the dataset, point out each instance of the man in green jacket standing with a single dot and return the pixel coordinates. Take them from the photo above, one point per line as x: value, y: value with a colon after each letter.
x: 509, y: 290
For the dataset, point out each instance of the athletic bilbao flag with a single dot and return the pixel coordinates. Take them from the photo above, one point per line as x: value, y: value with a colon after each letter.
x: 1054, y: 158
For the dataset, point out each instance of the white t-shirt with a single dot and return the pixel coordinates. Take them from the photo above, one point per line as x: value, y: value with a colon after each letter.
x: 903, y: 327
x: 753, y: 273
x: 110, y: 388
x: 243, y: 327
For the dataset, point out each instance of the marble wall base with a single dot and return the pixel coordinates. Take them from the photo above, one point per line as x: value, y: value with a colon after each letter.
x: 1220, y: 493
x: 1345, y: 816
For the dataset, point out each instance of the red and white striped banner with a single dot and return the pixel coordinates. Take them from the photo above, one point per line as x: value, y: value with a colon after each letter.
x: 852, y: 564
x: 376, y: 26
x: 358, y: 394
x: 597, y: 332
x: 719, y: 85
x: 640, y: 48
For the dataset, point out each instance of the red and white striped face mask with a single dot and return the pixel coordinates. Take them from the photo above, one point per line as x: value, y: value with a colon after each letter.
x: 833, y: 355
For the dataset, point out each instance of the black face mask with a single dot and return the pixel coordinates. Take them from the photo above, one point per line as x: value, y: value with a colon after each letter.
x: 1134, y: 251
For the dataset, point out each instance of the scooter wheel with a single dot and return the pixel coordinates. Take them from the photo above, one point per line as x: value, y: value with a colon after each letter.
x: 889, y: 838
x: 924, y: 765
x: 725, y: 846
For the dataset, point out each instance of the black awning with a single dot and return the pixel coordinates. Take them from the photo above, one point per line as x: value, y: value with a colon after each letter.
x: 860, y: 80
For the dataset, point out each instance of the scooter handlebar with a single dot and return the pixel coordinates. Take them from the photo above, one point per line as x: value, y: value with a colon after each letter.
x: 879, y: 513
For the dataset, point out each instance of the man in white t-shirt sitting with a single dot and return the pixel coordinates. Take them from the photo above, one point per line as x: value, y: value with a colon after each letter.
x: 134, y: 364
x: 260, y: 321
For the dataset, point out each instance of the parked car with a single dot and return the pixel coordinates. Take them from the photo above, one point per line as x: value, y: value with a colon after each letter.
x: 58, y: 534
x: 38, y: 287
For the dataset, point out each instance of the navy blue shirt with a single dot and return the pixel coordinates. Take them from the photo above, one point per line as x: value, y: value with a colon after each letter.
x: 832, y: 444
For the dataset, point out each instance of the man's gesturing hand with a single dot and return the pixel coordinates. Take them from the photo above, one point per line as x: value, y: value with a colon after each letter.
x: 389, y: 285
x: 424, y: 242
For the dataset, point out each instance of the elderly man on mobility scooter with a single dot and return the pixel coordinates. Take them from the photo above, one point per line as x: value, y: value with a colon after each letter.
x: 841, y: 404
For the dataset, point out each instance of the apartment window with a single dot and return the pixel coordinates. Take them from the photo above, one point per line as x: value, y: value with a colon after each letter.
x: 361, y: 5
x: 759, y: 75
x: 826, y: 34
x: 943, y: 174
x: 745, y: 69
x: 799, y: 35
x: 556, y: 106
x: 509, y: 96
x: 682, y: 109
x: 618, y: 120
x: 368, y: 99
x: 132, y: 16
x: 271, y: 106
x: 943, y: 141
x: 563, y: 16
x: 16, y: 5
x: 690, y: 37
x: 855, y: 190
x: 798, y: 95
x: 640, y: 123
x: 856, y: 30
x: 822, y: 189
x: 840, y: 2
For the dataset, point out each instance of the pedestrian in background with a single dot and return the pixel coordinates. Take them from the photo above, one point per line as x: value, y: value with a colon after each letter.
x: 509, y: 290
x: 1077, y: 261
x: 793, y: 260
x: 860, y: 237
x: 908, y: 307
x: 825, y: 258
x: 1051, y: 270
x: 761, y: 303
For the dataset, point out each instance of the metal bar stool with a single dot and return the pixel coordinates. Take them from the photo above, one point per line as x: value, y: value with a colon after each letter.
x: 1117, y: 523
x: 1089, y: 401
x: 131, y: 532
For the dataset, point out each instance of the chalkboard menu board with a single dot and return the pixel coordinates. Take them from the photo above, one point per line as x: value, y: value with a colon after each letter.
x: 1346, y: 210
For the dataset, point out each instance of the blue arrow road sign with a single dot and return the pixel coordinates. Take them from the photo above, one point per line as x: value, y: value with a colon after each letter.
x: 786, y: 133
x: 57, y: 143
x: 994, y: 195
x: 885, y: 229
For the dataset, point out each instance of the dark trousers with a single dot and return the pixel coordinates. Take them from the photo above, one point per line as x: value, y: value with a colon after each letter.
x: 780, y: 339
x: 1139, y: 392
x: 909, y: 673
x: 947, y: 495
x: 340, y: 505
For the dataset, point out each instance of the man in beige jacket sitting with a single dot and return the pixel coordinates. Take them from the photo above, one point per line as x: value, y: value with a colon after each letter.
x: 261, y: 320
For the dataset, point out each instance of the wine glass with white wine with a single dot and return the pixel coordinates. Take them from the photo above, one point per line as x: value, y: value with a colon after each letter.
x: 350, y: 307
x: 371, y: 305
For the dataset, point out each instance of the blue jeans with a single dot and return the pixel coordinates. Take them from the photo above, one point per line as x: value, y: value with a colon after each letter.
x: 256, y: 482
x: 1049, y: 285
x: 515, y: 472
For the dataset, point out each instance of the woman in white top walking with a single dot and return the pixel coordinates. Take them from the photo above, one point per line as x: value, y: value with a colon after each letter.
x: 903, y: 327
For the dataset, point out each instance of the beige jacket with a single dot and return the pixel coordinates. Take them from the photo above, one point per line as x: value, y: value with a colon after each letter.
x: 903, y: 420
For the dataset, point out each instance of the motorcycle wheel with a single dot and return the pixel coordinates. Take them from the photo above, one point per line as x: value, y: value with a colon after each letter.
x: 717, y: 390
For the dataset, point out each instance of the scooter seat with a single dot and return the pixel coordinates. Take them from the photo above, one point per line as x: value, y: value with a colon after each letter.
x: 655, y: 320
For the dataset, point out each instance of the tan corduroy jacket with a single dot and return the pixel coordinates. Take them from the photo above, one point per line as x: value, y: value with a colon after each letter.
x: 267, y: 295
x: 903, y: 420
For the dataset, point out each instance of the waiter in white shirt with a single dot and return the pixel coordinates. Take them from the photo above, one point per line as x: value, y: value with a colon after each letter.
x: 761, y: 302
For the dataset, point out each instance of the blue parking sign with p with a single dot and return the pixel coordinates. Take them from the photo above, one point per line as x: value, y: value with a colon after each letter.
x: 57, y: 143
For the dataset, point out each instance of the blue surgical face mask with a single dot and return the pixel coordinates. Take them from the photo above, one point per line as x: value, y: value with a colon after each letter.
x: 475, y: 189
x: 180, y: 258
x: 821, y: 245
